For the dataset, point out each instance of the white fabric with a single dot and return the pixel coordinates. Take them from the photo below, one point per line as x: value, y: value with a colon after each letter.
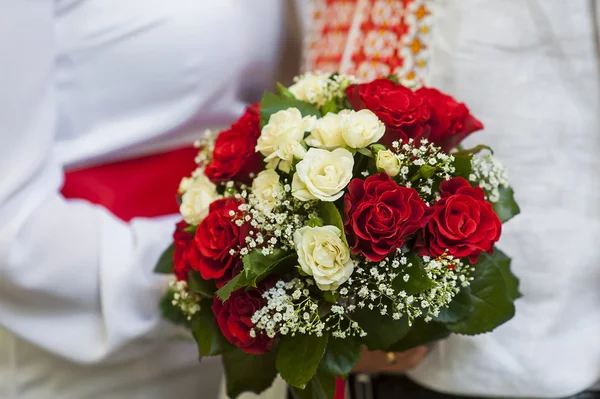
x: 530, y: 70
x: 84, y: 82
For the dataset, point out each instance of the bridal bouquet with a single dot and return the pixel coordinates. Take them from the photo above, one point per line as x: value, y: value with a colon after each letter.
x: 334, y: 216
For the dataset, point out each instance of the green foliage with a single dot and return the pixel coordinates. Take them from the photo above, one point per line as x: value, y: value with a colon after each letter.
x: 321, y: 386
x: 234, y: 284
x: 460, y: 307
x: 170, y: 312
x: 298, y: 358
x: 511, y: 281
x: 340, y: 356
x: 462, y: 164
x: 207, y: 334
x: 506, y: 207
x: 199, y: 286
x: 331, y: 106
x: 284, y: 91
x: 474, y: 150
x: 272, y: 103
x: 418, y: 280
x: 331, y: 217
x: 248, y: 373
x: 256, y: 267
x: 491, y: 296
x: 382, y: 331
x: 420, y: 334
x: 165, y: 262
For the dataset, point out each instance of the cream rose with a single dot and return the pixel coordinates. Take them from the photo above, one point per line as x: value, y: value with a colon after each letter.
x: 281, y: 139
x: 361, y: 128
x: 323, y: 254
x: 267, y: 188
x: 322, y: 174
x: 327, y: 132
x: 388, y: 162
x: 199, y: 194
x: 312, y: 88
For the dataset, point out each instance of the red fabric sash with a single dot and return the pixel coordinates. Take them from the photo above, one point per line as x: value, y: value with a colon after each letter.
x: 141, y: 187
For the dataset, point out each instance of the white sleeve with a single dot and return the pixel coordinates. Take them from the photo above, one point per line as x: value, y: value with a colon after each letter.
x: 74, y: 280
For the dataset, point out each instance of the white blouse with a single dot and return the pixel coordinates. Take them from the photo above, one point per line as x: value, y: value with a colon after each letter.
x: 84, y: 82
x: 530, y: 70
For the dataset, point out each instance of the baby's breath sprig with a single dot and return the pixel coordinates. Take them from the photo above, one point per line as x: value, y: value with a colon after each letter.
x: 186, y: 301
x: 489, y: 174
x: 273, y: 222
x: 291, y: 309
x: 423, y: 167
x: 371, y: 286
x: 205, y: 147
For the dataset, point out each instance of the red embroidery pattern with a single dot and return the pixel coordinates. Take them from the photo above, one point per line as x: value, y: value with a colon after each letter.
x: 370, y: 38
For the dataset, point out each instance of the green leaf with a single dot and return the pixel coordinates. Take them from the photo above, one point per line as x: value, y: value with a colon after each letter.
x: 321, y: 386
x: 366, y: 152
x: 377, y: 147
x: 506, y: 207
x: 234, y: 284
x: 340, y: 356
x: 170, y: 312
x: 393, y: 78
x: 420, y: 334
x: 165, y: 262
x: 330, y: 106
x: 417, y: 277
x: 426, y: 171
x: 257, y: 266
x: 298, y: 358
x: 492, y: 302
x: 382, y: 330
x: 332, y: 217
x: 191, y: 229
x: 460, y: 307
x: 248, y: 373
x: 284, y: 91
x: 200, y: 286
x: 511, y: 281
x: 315, y: 221
x: 330, y: 297
x: 207, y: 334
x: 462, y: 164
x: 272, y: 103
x: 474, y: 150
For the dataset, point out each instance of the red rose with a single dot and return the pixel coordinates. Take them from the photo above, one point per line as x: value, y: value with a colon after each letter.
x: 450, y: 120
x: 185, y: 252
x: 404, y: 113
x: 215, y: 237
x: 380, y: 215
x: 234, y: 318
x: 463, y: 223
x: 234, y: 157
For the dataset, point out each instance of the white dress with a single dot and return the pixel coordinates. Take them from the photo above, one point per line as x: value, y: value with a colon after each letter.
x: 84, y: 82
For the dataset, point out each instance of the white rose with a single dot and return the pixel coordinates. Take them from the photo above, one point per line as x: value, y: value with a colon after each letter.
x: 267, y: 189
x: 312, y: 88
x: 388, y: 162
x: 323, y: 255
x: 185, y: 184
x: 281, y: 139
x: 200, y: 193
x: 327, y: 132
x: 322, y: 174
x: 361, y: 128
